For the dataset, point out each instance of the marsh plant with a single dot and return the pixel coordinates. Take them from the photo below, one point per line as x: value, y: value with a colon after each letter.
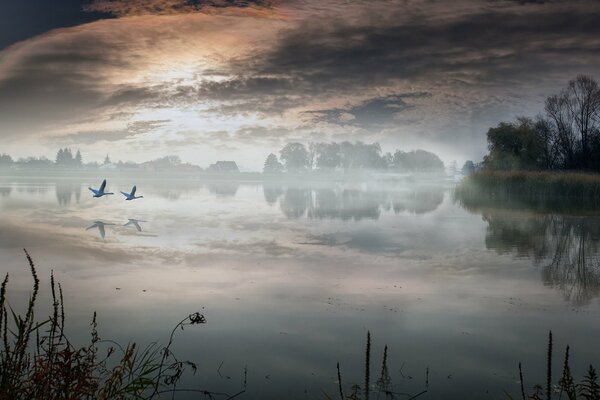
x: 383, y: 387
x: 588, y: 387
x: 37, y: 361
x: 543, y: 190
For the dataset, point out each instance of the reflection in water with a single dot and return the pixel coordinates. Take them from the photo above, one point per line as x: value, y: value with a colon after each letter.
x: 32, y: 190
x: 421, y: 200
x: 272, y: 193
x: 567, y: 247
x: 65, y: 191
x: 352, y: 204
x: 5, y: 191
x: 100, y: 225
x: 224, y: 189
x: 134, y: 222
x: 295, y: 202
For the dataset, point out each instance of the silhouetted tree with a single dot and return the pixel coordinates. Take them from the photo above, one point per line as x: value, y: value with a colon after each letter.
x: 514, y: 145
x: 583, y: 98
x: 295, y: 157
x: 567, y: 136
x: 272, y: 165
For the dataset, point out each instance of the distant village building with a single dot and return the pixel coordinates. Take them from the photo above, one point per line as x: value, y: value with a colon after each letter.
x: 224, y: 166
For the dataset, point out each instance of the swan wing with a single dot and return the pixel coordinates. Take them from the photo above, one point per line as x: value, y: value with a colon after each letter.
x: 133, y: 189
x: 103, y: 186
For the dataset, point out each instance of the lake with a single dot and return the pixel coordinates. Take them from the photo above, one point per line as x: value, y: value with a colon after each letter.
x: 291, y: 277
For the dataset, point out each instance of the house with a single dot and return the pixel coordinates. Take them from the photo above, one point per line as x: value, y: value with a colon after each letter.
x: 223, y: 166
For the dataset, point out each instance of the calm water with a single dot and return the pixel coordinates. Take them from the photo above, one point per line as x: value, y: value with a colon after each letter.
x: 290, y: 279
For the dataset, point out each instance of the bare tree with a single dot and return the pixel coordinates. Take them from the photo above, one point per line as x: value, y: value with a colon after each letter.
x: 561, y: 119
x: 582, y: 97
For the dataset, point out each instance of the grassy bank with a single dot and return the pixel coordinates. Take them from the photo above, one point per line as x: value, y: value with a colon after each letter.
x: 543, y: 191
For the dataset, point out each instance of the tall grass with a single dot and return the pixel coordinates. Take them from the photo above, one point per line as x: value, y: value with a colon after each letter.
x: 383, y: 386
x: 587, y: 389
x: 38, y: 362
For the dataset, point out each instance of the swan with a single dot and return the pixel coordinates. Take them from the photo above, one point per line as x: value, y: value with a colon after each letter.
x: 100, y: 192
x: 100, y: 225
x: 131, y: 196
x: 134, y: 222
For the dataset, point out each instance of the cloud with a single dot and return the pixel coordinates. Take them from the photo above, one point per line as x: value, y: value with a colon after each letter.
x: 91, y: 137
x: 356, y: 70
x: 122, y: 8
x: 372, y: 113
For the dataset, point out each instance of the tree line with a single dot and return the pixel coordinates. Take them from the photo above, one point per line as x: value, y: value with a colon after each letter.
x: 67, y: 158
x: 565, y: 136
x: 296, y: 157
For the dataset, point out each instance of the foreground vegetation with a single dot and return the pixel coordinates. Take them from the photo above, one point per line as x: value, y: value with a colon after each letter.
x: 37, y: 361
x: 588, y: 388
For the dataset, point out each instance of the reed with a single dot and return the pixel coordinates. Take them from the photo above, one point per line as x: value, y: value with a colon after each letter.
x: 37, y: 361
x: 383, y: 386
x: 587, y: 389
x: 554, y: 191
x: 367, y: 365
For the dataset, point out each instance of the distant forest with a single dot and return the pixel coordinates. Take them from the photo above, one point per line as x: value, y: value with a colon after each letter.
x: 566, y: 136
x: 293, y: 157
x: 296, y: 157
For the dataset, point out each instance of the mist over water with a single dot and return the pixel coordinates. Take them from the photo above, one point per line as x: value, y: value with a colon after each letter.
x: 291, y: 277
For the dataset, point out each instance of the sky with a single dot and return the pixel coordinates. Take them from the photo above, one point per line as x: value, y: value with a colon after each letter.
x: 235, y: 80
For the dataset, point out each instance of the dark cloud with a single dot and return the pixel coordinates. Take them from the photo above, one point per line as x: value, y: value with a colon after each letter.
x: 489, y: 45
x: 22, y: 19
x: 371, y: 114
x: 121, y: 8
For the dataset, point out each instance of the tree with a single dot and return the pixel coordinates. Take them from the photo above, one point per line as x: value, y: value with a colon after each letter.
x: 514, y: 145
x: 359, y: 155
x: 64, y: 157
x: 583, y: 99
x: 295, y: 157
x: 78, y: 160
x: 417, y: 161
x: 60, y: 156
x: 272, y: 165
x: 5, y: 159
x: 468, y: 167
x: 327, y: 156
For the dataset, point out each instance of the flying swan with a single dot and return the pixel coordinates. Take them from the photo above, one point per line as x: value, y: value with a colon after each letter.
x: 100, y: 192
x: 131, y: 196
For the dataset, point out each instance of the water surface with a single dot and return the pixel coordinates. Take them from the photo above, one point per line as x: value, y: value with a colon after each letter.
x: 291, y: 277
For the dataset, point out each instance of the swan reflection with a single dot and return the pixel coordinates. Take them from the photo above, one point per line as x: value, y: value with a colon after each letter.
x: 101, y: 227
